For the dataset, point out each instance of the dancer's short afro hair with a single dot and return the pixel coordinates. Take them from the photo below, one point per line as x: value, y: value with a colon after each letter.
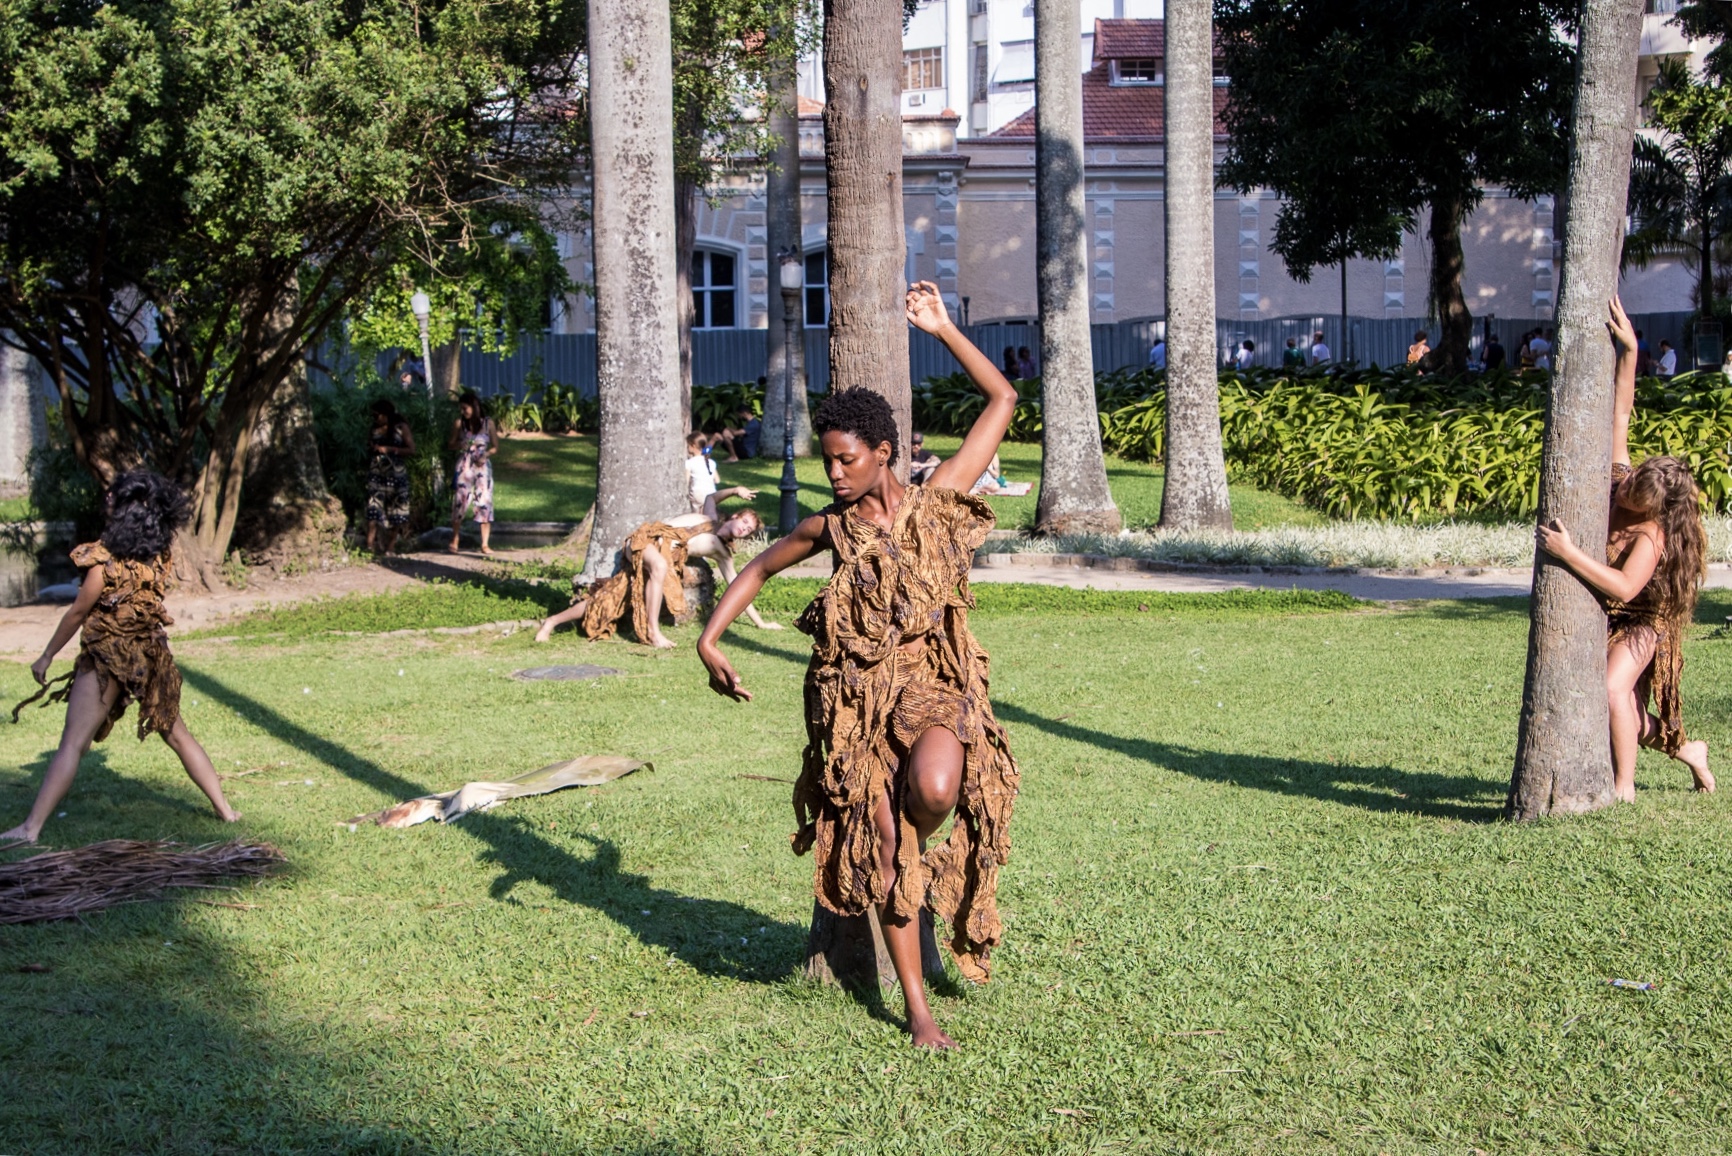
x: 145, y: 511
x: 860, y: 412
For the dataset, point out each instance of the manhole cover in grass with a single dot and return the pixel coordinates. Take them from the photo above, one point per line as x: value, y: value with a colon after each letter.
x: 563, y: 673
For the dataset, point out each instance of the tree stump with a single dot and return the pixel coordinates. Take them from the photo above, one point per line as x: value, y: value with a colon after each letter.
x: 700, y: 584
x: 849, y: 950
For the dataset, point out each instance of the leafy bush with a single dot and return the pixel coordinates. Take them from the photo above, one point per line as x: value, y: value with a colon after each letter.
x: 717, y: 406
x: 342, y: 421
x: 949, y: 405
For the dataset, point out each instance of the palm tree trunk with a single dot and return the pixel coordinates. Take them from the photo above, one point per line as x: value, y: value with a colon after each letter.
x: 782, y: 226
x: 1195, y: 496
x: 640, y: 475
x: 863, y: 162
x: 1562, y: 762
x: 1074, y: 498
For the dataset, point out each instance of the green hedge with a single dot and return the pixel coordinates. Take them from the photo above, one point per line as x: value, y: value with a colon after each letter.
x: 1380, y: 443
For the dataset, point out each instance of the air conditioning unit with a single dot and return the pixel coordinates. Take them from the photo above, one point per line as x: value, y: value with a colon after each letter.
x: 916, y: 99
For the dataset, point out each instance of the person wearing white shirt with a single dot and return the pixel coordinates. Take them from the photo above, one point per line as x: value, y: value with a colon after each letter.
x: 1668, y: 363
x: 1319, y: 351
x: 1247, y: 356
x: 703, y: 483
x: 1542, y: 352
x: 1158, y: 354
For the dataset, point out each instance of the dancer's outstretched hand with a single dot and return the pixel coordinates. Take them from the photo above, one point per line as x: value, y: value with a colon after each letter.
x: 926, y: 309
x: 1623, y: 331
x: 724, y: 680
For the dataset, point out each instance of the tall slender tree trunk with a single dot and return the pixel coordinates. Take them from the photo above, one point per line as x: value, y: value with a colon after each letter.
x: 783, y: 229
x: 1074, y: 498
x: 863, y: 161
x: 688, y: 162
x: 447, y: 368
x: 640, y: 474
x: 1562, y: 762
x: 1195, y: 495
x: 1455, y: 323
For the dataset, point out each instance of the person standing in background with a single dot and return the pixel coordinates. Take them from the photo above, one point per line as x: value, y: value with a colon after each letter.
x: 1420, y: 347
x: 472, y: 496
x: 1644, y: 356
x: 1495, y: 357
x: 1025, y: 367
x: 1247, y: 355
x: 1293, y: 357
x: 1158, y: 354
x: 1010, y: 362
x: 1319, y: 350
x: 1668, y: 361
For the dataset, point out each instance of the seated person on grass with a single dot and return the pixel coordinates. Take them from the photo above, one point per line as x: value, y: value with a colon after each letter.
x: 651, y: 575
x: 703, y: 483
x: 921, y: 461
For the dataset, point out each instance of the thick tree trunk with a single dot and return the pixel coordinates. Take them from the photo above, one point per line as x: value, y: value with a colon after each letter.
x: 863, y: 160
x: 1455, y: 323
x: 447, y: 369
x: 23, y: 417
x: 849, y: 951
x: 1195, y: 495
x: 686, y: 194
x: 640, y: 475
x: 783, y: 228
x: 288, y: 516
x: 1562, y: 762
x: 1074, y: 498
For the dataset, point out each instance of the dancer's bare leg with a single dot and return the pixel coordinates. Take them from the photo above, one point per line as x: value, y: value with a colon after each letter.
x: 934, y: 780
x: 1693, y: 754
x: 652, y: 595
x: 199, y: 769
x: 1623, y: 671
x: 85, y: 711
x: 571, y: 614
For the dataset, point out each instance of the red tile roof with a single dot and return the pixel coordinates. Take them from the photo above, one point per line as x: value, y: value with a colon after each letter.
x: 806, y: 106
x: 1130, y: 39
x: 1124, y: 113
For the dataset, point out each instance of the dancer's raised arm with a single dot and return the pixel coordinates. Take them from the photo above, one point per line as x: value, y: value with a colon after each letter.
x: 1623, y: 381
x: 926, y: 312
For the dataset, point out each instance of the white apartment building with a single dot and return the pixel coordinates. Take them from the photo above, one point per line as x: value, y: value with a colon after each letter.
x: 976, y: 58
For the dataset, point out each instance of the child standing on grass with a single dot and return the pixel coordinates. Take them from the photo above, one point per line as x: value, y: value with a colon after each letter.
x: 899, y: 728
x: 1656, y: 556
x: 124, y: 655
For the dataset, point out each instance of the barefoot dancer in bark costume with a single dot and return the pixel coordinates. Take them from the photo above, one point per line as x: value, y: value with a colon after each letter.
x: 899, y: 729
x: 1656, y: 554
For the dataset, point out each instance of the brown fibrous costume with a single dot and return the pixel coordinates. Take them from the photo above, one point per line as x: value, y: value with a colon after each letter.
x: 1648, y: 626
x: 892, y: 655
x: 124, y: 641
x: 615, y: 597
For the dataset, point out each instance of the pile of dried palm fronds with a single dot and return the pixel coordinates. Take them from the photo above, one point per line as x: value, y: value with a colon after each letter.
x: 68, y: 884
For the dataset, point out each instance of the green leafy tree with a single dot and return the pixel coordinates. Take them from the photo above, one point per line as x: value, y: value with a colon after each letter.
x: 1709, y: 20
x: 193, y: 191
x: 1362, y: 114
x: 1680, y: 199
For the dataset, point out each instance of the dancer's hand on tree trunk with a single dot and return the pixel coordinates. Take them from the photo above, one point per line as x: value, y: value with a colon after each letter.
x: 1620, y: 327
x: 723, y: 678
x: 1554, y: 538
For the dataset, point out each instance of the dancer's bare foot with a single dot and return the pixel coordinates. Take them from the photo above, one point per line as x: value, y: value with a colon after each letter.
x: 1694, y: 754
x: 545, y: 633
x: 229, y: 815
x: 18, y: 834
x: 927, y: 1035
x: 1623, y: 795
x: 487, y: 552
x: 660, y: 641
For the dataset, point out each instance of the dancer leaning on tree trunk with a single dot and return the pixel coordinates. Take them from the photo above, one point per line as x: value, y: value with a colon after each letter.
x: 124, y: 653
x: 899, y: 729
x: 1656, y: 556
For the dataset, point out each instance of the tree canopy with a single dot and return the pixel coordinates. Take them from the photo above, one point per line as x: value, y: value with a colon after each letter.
x: 1361, y: 114
x: 192, y: 191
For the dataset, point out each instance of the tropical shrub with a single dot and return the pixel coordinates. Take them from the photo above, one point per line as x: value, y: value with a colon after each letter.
x: 715, y: 407
x: 342, y: 420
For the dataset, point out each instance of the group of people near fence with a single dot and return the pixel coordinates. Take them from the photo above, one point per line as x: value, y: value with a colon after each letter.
x: 900, y: 730
x: 391, y: 443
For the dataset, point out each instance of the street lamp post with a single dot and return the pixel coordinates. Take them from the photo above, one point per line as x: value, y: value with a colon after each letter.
x: 793, y: 279
x: 422, y: 308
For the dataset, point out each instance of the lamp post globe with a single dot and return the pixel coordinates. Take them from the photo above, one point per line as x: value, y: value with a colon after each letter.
x: 793, y: 281
x: 422, y: 307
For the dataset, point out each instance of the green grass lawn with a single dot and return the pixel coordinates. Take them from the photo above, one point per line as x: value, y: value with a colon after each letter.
x: 553, y: 479
x: 1257, y: 902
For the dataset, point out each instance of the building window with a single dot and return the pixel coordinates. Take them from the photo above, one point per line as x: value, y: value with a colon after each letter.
x: 977, y: 92
x: 1015, y: 63
x: 818, y: 289
x: 1141, y: 70
x: 922, y: 68
x: 713, y: 290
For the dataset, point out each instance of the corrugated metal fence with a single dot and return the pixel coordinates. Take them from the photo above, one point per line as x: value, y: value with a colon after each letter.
x: 723, y: 355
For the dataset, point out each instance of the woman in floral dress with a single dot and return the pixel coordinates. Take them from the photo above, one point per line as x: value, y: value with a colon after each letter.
x: 472, y: 438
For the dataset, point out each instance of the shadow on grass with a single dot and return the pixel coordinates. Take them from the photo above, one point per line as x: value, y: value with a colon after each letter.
x: 1384, y: 788
x: 704, y: 933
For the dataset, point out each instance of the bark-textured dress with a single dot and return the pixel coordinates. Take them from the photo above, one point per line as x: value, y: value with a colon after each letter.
x: 892, y: 656
x: 1651, y: 631
x: 613, y: 598
x: 124, y: 641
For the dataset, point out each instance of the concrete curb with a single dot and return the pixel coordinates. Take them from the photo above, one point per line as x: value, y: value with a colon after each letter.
x: 1122, y: 564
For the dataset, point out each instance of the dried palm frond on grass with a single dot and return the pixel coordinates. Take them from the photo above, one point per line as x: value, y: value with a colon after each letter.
x: 68, y: 884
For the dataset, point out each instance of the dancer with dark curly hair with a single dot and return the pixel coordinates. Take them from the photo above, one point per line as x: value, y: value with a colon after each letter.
x: 899, y: 728
x: 124, y: 655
